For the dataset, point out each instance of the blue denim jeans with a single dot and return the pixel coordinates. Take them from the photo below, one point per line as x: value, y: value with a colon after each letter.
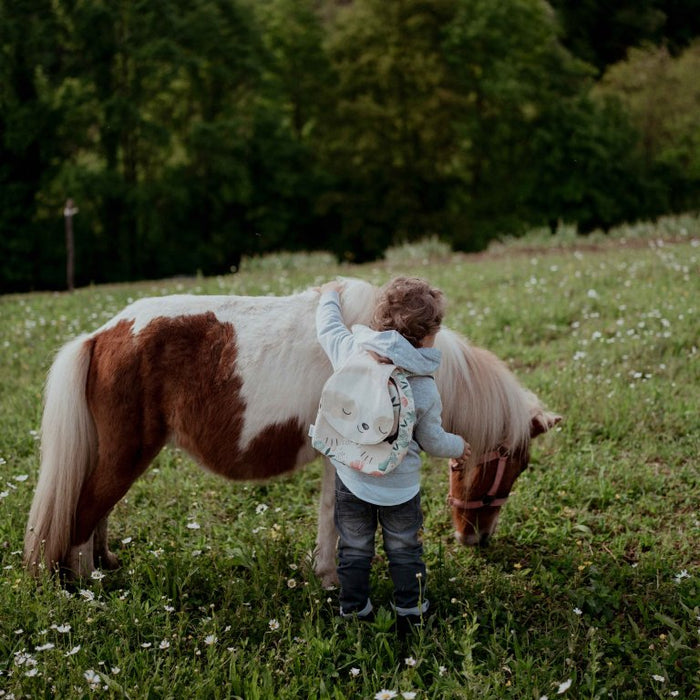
x: 356, y: 521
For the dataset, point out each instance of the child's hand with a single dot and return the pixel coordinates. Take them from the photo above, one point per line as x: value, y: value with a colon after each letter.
x: 467, y: 452
x: 333, y: 286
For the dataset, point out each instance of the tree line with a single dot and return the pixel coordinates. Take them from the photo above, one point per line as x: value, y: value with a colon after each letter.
x: 192, y: 133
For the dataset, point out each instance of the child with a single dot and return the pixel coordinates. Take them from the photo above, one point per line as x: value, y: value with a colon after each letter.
x: 403, y: 328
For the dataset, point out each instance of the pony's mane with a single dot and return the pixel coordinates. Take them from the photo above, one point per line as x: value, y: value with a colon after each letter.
x: 481, y: 398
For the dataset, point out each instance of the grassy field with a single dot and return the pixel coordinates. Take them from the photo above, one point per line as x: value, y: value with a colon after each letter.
x: 589, y: 589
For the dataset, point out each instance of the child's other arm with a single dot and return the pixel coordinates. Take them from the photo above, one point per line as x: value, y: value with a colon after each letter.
x: 435, y: 440
x: 332, y: 333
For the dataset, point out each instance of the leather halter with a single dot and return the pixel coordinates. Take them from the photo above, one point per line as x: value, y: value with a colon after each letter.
x: 489, y: 499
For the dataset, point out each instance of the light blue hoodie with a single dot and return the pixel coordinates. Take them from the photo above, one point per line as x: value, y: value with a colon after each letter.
x: 403, y: 483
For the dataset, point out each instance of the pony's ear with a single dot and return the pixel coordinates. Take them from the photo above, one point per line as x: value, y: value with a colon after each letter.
x: 542, y: 422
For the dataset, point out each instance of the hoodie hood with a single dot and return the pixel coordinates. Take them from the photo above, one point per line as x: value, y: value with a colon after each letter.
x: 394, y: 346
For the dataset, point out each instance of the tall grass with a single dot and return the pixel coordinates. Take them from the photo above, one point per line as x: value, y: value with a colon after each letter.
x: 589, y: 589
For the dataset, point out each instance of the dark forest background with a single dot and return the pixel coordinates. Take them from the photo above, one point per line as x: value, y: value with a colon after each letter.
x: 190, y: 133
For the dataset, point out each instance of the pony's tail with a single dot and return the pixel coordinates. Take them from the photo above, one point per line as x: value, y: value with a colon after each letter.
x: 68, y: 452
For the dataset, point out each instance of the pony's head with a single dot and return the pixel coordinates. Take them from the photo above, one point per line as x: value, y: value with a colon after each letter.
x: 478, y: 492
x: 484, y: 402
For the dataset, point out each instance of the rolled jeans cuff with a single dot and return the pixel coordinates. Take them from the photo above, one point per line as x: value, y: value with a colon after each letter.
x: 417, y: 610
x: 360, y: 613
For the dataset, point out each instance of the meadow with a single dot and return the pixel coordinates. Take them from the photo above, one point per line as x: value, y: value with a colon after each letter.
x: 589, y: 589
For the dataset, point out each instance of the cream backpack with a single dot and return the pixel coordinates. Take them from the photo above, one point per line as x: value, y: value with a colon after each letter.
x: 366, y: 415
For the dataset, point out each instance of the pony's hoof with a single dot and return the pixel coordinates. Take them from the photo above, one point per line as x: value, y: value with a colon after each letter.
x: 108, y: 560
x: 329, y: 579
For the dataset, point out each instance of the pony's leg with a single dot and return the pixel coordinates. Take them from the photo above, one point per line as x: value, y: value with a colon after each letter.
x: 101, y: 553
x: 118, y: 466
x: 326, y: 538
x: 79, y: 560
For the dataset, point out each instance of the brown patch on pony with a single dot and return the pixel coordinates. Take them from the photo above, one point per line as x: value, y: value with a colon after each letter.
x: 174, y: 378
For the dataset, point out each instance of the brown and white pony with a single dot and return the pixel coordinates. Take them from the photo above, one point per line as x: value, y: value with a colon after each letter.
x: 235, y: 381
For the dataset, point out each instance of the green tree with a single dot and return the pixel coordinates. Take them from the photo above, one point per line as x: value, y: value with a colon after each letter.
x: 601, y: 32
x: 510, y: 68
x: 662, y: 97
x: 588, y: 172
x: 28, y: 147
x: 390, y: 137
x: 288, y: 180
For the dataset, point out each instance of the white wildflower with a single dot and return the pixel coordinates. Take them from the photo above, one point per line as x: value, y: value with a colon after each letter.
x: 563, y: 687
x: 93, y: 679
x: 681, y: 575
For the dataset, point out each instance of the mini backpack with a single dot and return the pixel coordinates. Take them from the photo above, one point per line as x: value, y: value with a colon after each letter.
x: 366, y: 415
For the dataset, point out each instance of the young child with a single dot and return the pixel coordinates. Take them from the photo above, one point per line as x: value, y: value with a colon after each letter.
x: 403, y: 328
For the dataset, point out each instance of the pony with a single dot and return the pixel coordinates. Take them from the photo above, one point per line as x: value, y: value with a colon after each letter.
x: 235, y: 381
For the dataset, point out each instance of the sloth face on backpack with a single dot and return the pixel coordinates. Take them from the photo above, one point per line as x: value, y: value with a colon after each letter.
x: 351, y: 417
x: 366, y: 415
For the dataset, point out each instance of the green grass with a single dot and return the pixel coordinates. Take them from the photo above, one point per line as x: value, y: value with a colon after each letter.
x: 592, y: 577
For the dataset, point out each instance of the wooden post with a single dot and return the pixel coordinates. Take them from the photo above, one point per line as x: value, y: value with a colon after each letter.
x: 68, y: 213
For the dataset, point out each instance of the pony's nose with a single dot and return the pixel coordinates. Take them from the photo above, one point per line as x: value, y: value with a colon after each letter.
x: 365, y: 426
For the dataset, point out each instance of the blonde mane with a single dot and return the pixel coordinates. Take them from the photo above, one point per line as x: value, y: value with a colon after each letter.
x: 481, y: 399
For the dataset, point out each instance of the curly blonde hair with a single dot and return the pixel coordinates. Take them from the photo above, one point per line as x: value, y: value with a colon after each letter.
x: 410, y: 306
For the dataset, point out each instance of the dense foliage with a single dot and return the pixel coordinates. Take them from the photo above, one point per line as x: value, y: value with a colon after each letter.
x: 190, y: 134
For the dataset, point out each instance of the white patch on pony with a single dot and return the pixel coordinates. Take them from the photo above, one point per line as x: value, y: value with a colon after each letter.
x: 279, y: 359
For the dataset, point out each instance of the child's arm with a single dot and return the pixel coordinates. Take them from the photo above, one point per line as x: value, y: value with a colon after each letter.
x: 332, y: 333
x: 435, y: 440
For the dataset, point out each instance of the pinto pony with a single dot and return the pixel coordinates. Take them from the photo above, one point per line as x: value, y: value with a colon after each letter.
x: 235, y: 381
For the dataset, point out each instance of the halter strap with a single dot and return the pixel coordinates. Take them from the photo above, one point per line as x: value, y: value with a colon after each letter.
x: 489, y: 499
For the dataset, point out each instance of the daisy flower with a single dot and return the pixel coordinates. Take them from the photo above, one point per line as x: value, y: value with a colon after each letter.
x: 563, y: 687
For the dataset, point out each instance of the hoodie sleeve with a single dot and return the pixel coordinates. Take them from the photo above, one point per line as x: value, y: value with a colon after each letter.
x: 430, y: 434
x: 332, y: 333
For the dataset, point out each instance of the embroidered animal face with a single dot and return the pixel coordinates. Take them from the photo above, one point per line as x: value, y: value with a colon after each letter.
x: 355, y: 416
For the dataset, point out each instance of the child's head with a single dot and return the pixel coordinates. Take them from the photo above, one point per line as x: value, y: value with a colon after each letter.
x: 410, y: 306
